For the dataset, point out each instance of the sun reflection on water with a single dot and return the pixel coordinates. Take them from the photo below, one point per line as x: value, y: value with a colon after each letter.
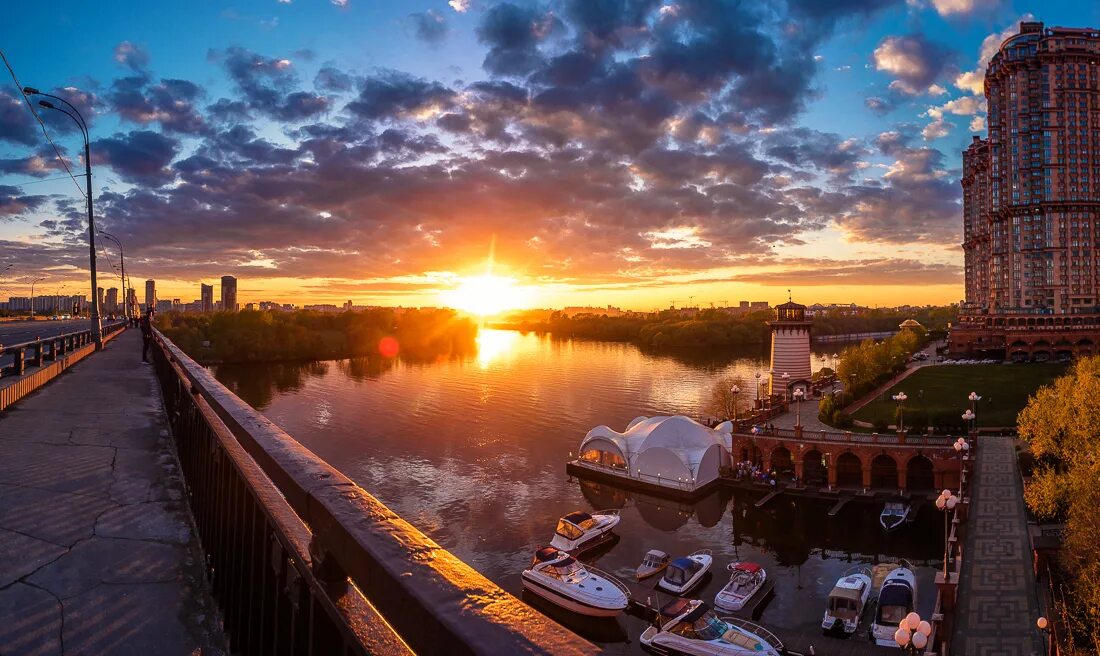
x: 491, y: 344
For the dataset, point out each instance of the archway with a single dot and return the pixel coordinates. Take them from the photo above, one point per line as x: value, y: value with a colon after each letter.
x: 884, y: 472
x: 918, y: 474
x: 849, y: 470
x: 814, y: 471
x: 781, y: 460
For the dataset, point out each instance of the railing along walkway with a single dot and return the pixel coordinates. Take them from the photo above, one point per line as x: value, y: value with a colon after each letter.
x: 97, y: 545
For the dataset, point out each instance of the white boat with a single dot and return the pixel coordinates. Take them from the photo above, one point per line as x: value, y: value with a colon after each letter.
x: 894, y: 514
x: 847, y: 601
x: 655, y: 561
x: 896, y: 599
x: 746, y: 580
x: 689, y: 626
x: 557, y: 577
x: 683, y: 574
x: 579, y: 529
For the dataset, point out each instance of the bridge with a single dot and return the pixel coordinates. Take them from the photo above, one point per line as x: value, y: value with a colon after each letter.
x: 146, y: 509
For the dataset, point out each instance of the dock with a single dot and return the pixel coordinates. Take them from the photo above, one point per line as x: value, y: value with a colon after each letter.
x: 843, y: 501
x: 768, y: 497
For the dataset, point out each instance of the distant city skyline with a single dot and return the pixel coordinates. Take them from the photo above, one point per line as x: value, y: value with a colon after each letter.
x: 393, y: 152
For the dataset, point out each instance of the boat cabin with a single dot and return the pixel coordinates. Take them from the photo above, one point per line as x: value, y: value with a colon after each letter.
x: 574, y: 525
x: 895, y: 601
x: 681, y: 570
x: 846, y: 602
x: 566, y: 568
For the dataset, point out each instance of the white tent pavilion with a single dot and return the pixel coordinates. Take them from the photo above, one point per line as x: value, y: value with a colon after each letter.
x: 671, y: 451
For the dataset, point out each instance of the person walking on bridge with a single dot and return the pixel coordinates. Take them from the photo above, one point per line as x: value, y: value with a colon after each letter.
x: 146, y: 334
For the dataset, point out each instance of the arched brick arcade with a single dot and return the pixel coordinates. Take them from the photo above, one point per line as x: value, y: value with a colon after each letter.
x: 884, y: 472
x: 849, y: 470
x: 814, y: 469
x: 781, y: 460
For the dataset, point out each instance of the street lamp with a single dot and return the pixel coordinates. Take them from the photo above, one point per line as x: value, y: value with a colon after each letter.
x: 798, y: 394
x: 901, y: 398
x: 969, y: 418
x: 786, y: 379
x: 946, y: 502
x: 912, y: 634
x: 735, y: 390
x: 122, y: 261
x: 39, y: 279
x: 758, y: 388
x: 961, y: 446
x: 74, y: 114
x: 974, y: 398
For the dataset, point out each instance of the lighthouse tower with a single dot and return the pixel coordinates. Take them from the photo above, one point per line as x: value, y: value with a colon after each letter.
x: 790, y: 350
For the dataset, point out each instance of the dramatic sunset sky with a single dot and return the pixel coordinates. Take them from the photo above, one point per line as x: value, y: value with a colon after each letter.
x: 606, y: 152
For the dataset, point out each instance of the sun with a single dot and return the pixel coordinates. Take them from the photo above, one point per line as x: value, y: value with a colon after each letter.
x: 486, y: 295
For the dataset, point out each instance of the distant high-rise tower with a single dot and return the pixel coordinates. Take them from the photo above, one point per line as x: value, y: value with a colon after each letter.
x: 131, y: 300
x: 229, y: 293
x: 1031, y: 201
x: 112, y: 300
x: 790, y: 365
x: 99, y: 297
x: 207, y: 297
x: 150, y: 294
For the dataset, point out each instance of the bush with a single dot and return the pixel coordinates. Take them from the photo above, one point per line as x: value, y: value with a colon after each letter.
x: 881, y: 425
x: 842, y: 420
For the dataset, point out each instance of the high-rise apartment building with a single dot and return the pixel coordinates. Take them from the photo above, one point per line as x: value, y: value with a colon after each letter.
x: 207, y: 298
x: 112, y: 300
x: 150, y: 294
x: 1031, y: 200
x: 229, y: 293
x: 99, y: 297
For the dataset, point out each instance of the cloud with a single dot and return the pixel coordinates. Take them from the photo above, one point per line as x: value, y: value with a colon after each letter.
x: 805, y: 148
x: 429, y: 26
x: 461, y: 6
x: 966, y: 8
x: 964, y: 106
x: 132, y: 56
x: 16, y: 123
x: 13, y: 202
x: 513, y: 34
x: 937, y: 129
x: 339, y: 3
x: 915, y: 63
x: 977, y: 124
x: 142, y: 156
x: 878, y: 105
x: 973, y: 81
x: 171, y: 103
x: 269, y: 85
x: 393, y: 94
x: 875, y: 272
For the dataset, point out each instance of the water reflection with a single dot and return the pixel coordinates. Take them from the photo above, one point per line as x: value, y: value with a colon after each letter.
x: 472, y: 451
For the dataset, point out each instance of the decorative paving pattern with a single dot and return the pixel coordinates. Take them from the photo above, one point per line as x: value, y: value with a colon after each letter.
x: 997, y: 605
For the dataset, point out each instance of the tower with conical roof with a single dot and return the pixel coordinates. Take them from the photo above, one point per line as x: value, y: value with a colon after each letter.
x: 790, y: 364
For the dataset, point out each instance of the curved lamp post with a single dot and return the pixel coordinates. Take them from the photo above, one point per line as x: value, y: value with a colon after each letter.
x: 946, y: 502
x: 798, y: 394
x: 912, y: 634
x: 901, y: 398
x: 39, y: 279
x: 69, y: 110
x: 961, y: 446
x: 735, y: 390
x: 122, y: 262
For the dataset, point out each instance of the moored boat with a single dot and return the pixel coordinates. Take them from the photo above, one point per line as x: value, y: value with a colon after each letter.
x: 685, y: 573
x: 896, y: 598
x: 689, y: 626
x: 847, y: 601
x: 746, y: 580
x: 894, y: 514
x: 655, y: 561
x: 578, y: 530
x: 559, y: 578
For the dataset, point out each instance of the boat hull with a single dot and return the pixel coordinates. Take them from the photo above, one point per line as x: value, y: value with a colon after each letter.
x: 569, y: 603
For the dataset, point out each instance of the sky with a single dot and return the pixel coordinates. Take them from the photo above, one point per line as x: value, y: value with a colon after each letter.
x: 633, y: 153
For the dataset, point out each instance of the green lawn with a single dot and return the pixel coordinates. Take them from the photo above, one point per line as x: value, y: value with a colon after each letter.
x: 1004, y: 389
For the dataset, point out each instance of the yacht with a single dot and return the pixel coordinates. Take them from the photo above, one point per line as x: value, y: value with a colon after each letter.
x: 578, y: 530
x: 746, y: 580
x: 655, y: 561
x: 689, y: 627
x: 557, y: 577
x: 894, y: 514
x: 847, y: 601
x: 683, y: 574
x: 896, y: 599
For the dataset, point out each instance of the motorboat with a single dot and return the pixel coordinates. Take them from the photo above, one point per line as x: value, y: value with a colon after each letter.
x: 655, y: 561
x: 683, y: 574
x: 559, y: 578
x: 746, y: 580
x: 689, y: 626
x: 894, y: 514
x: 847, y: 601
x: 578, y: 530
x: 896, y: 599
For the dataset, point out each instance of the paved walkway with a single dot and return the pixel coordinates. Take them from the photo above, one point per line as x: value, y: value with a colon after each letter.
x: 997, y: 603
x: 97, y: 554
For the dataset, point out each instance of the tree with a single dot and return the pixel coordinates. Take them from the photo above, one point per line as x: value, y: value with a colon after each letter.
x: 724, y: 403
x: 1062, y: 426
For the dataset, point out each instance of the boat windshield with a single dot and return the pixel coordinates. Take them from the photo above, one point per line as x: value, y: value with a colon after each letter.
x: 705, y: 627
x: 588, y: 524
x: 566, y: 570
x: 568, y: 530
x: 840, y: 603
x: 895, y: 602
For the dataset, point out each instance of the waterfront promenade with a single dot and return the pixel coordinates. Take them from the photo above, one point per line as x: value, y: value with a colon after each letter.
x: 997, y: 601
x: 97, y: 549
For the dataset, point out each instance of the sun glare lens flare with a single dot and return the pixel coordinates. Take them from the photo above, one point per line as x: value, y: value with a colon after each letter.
x: 486, y: 295
x: 388, y: 347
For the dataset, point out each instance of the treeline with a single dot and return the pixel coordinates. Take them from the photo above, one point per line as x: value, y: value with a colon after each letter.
x: 1061, y: 424
x: 252, y: 336
x: 864, y: 367
x: 714, y: 328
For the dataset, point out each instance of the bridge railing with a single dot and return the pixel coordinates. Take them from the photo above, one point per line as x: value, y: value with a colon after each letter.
x: 44, y: 350
x: 302, y: 560
x: 849, y: 436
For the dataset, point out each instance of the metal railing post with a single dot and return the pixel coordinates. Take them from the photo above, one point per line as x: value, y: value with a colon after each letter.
x: 39, y: 352
x: 19, y: 365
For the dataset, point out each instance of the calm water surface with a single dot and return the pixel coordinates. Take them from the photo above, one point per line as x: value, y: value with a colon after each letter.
x: 473, y: 452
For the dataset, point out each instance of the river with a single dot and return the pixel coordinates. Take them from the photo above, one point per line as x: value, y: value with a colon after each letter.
x: 472, y: 451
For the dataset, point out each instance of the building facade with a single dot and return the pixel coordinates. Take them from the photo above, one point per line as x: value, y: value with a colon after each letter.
x: 229, y: 293
x: 112, y: 300
x: 1031, y: 201
x: 150, y: 294
x: 207, y: 298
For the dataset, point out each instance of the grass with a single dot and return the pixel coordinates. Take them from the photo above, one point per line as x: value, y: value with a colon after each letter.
x: 1004, y: 389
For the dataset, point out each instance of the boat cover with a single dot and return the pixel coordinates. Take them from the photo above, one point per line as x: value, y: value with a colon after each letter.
x: 675, y: 607
x: 751, y: 568
x: 546, y: 554
x: 577, y: 517
x: 846, y: 593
